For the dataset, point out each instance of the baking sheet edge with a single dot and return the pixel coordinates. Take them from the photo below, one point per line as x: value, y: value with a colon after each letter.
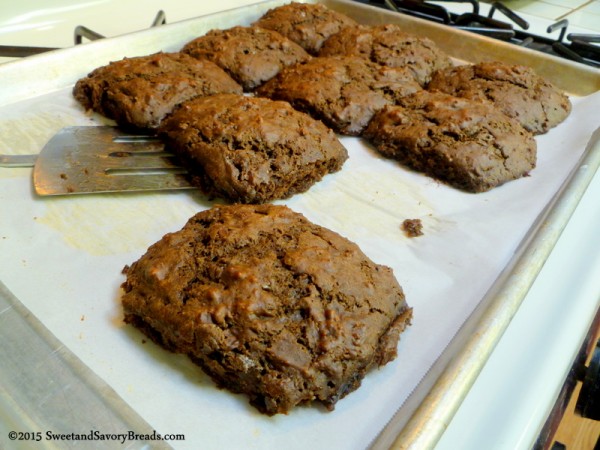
x: 440, y: 393
x: 32, y: 360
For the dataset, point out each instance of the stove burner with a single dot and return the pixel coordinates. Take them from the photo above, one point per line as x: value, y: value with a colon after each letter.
x: 81, y: 32
x: 84, y: 32
x: 581, y: 47
x: 577, y: 47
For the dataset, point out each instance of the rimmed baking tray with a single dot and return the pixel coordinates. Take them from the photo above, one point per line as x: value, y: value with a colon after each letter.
x: 465, y: 278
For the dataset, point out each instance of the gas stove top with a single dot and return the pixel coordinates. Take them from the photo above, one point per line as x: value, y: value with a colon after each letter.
x: 568, y: 32
x: 498, y: 21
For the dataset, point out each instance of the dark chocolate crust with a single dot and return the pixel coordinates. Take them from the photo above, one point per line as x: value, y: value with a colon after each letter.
x: 309, y: 25
x: 268, y: 304
x: 251, y: 150
x: 465, y: 143
x: 344, y: 92
x: 514, y: 89
x: 139, y: 92
x: 251, y: 55
x: 391, y: 46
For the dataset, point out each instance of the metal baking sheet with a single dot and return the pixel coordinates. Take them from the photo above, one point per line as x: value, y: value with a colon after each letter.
x: 60, y: 263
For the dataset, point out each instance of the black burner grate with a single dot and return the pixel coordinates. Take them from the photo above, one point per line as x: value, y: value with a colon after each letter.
x: 80, y: 32
x: 510, y: 28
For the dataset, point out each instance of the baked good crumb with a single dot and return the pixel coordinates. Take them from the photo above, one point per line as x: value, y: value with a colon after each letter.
x: 412, y: 227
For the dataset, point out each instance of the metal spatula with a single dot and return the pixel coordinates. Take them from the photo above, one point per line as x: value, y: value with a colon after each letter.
x: 80, y: 160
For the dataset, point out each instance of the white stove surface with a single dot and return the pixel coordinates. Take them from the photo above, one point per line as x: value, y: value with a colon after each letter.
x: 513, y: 395
x: 508, y: 404
x: 583, y: 15
x: 35, y: 23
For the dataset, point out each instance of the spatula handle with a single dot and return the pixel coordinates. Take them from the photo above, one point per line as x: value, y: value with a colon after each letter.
x: 17, y: 160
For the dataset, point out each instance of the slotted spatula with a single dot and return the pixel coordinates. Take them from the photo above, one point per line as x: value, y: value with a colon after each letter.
x: 80, y: 160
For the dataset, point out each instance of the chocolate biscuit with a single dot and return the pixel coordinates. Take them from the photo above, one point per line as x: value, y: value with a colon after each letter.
x: 515, y: 89
x: 139, y: 92
x: 390, y: 46
x: 250, y: 55
x: 309, y: 25
x: 467, y: 144
x: 269, y: 304
x: 251, y: 150
x: 344, y: 92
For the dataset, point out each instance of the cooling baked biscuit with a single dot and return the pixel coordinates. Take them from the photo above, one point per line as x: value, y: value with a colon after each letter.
x: 269, y: 304
x: 516, y: 90
x: 251, y: 150
x: 250, y: 55
x: 344, y: 92
x: 309, y: 25
x: 139, y: 92
x: 390, y: 46
x: 467, y: 144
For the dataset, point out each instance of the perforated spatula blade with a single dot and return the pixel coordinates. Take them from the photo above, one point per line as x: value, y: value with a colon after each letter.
x: 80, y: 160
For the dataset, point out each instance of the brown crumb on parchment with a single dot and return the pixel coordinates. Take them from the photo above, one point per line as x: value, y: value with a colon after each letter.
x: 412, y: 227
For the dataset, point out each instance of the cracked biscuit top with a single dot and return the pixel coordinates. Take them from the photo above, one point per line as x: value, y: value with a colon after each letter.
x: 309, y: 25
x: 251, y: 55
x: 467, y: 144
x: 516, y: 90
x: 251, y: 150
x: 139, y: 92
x: 269, y: 304
x: 390, y: 46
x: 344, y: 92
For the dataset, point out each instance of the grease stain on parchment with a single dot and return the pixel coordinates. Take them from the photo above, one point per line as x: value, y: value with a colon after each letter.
x: 116, y: 224
x: 30, y: 133
x: 360, y: 202
x: 27, y: 136
x: 27, y: 126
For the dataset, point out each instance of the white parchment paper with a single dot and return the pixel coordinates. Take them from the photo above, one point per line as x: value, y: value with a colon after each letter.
x: 62, y: 257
